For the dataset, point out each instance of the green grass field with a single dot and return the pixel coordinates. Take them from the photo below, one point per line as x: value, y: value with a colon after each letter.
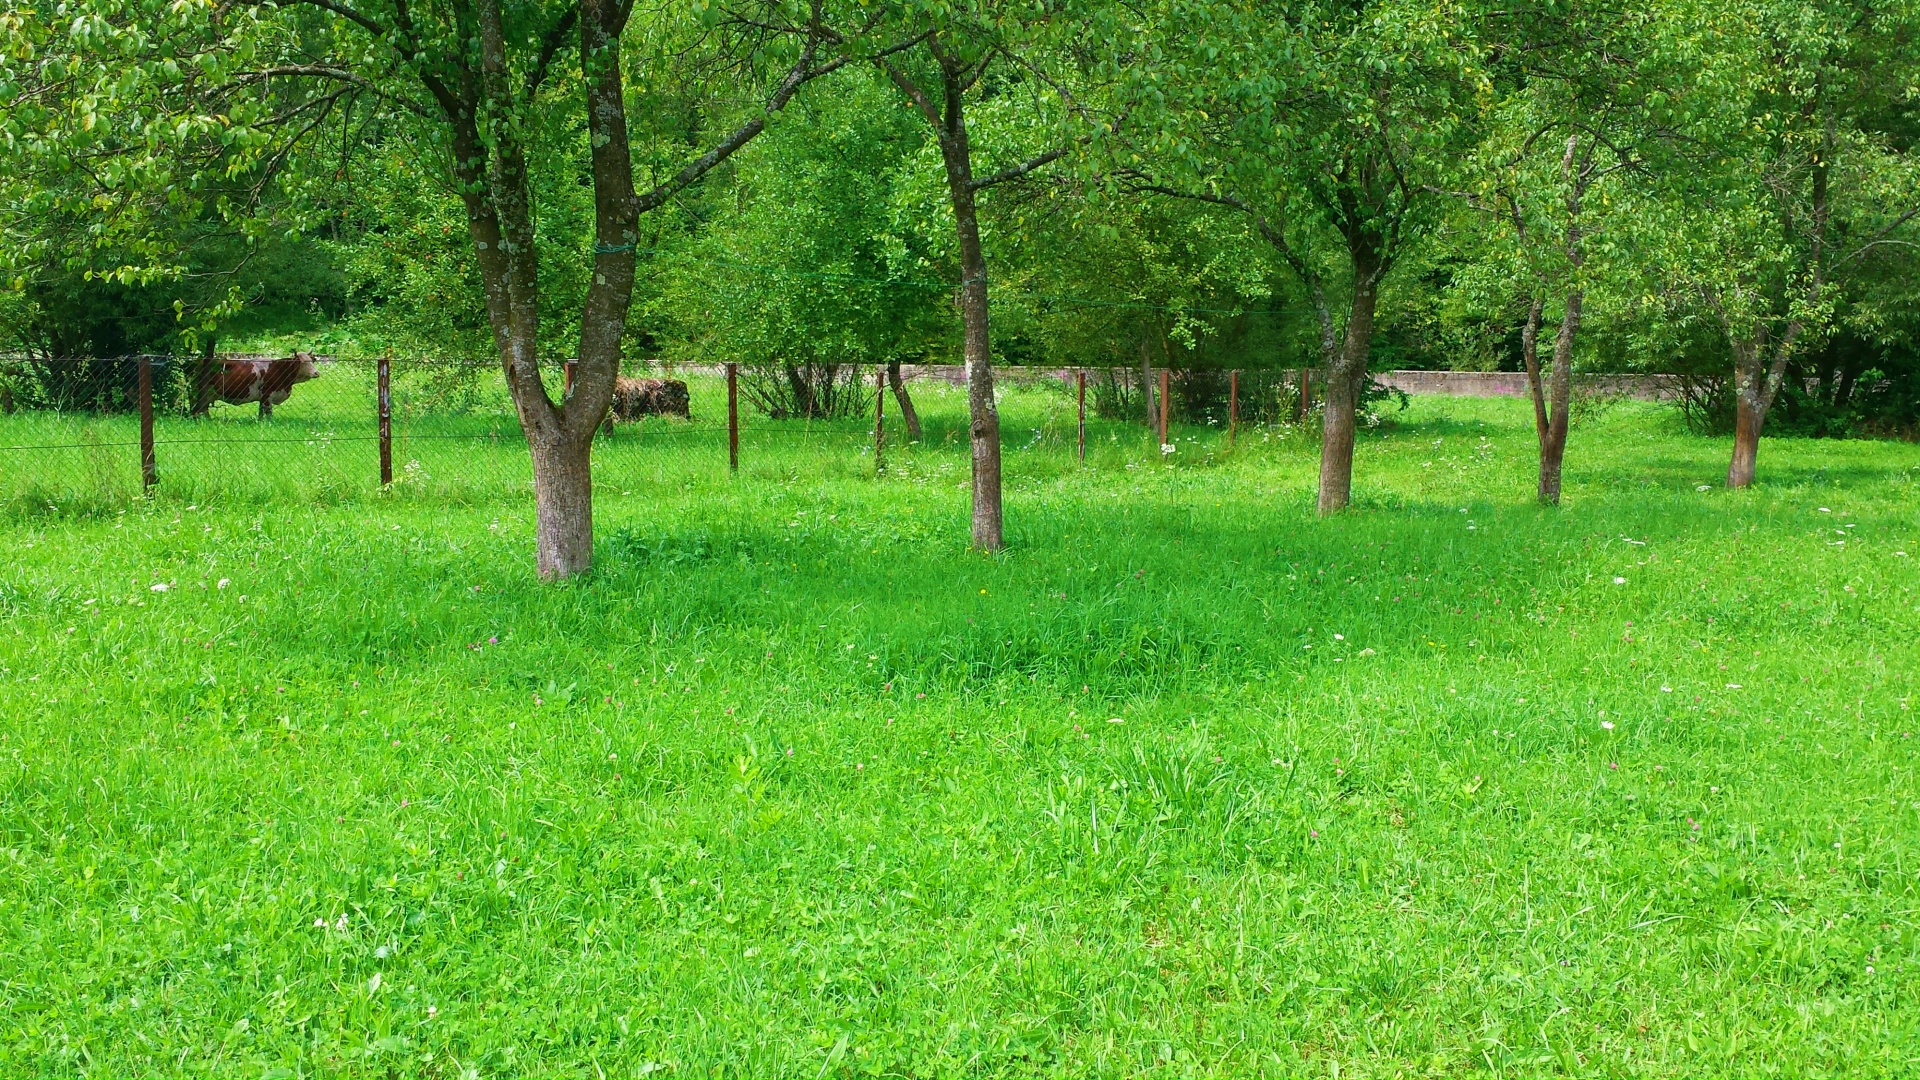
x: 1188, y: 781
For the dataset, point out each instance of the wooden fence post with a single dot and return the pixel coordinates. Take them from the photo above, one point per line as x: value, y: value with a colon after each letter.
x: 1166, y: 375
x: 879, y: 419
x: 733, y: 418
x: 1080, y: 377
x: 1306, y: 393
x: 1233, y: 407
x: 386, y: 419
x: 568, y: 369
x: 149, y: 472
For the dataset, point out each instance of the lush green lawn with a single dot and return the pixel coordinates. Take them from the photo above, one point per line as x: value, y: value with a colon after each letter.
x: 1187, y: 781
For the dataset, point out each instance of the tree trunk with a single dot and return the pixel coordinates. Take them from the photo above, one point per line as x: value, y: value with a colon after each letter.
x: 1577, y: 168
x: 1553, y: 441
x: 1342, y: 393
x: 1756, y: 380
x: 559, y: 438
x: 1530, y: 356
x: 802, y: 391
x: 1146, y: 385
x: 1746, y: 443
x: 205, y: 373
x: 1329, y: 338
x: 616, y: 225
x: 1749, y: 413
x: 1756, y: 383
x: 563, y: 506
x: 1844, y: 392
x: 904, y: 399
x: 983, y: 413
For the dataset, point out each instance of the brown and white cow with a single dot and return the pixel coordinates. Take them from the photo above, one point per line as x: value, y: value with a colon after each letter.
x: 238, y: 382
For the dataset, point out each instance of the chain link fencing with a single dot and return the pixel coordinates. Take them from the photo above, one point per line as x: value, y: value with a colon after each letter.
x: 94, y: 433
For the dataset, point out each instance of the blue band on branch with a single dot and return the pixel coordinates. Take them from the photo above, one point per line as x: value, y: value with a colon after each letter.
x: 612, y: 249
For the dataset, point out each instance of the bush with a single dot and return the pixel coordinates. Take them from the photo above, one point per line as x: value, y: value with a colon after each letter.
x: 814, y: 390
x: 1848, y: 388
x: 1267, y: 396
x: 88, y: 384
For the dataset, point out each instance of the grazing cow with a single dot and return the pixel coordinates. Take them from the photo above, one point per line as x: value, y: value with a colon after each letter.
x: 238, y: 382
x: 635, y: 398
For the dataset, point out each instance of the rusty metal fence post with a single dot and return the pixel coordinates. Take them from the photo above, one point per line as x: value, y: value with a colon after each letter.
x: 385, y: 378
x: 733, y: 418
x: 1080, y: 377
x: 149, y: 472
x: 1233, y: 407
x: 1166, y: 375
x: 879, y: 419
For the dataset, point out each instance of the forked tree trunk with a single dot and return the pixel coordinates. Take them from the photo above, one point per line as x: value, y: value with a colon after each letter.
x: 564, y: 517
x: 559, y: 438
x: 482, y: 103
x: 1756, y: 383
x: 904, y: 399
x: 1756, y: 378
x: 1553, y: 442
x: 1342, y: 394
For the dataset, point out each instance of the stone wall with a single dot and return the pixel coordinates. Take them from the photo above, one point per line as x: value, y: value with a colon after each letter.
x: 1415, y: 383
x: 1514, y: 384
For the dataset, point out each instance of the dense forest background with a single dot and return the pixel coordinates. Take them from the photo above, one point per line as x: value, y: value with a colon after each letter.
x: 1703, y: 173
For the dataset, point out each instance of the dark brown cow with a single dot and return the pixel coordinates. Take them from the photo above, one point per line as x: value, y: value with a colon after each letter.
x: 238, y: 382
x: 635, y: 398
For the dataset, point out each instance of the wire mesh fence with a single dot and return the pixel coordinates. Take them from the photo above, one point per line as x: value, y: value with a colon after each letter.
x: 307, y: 429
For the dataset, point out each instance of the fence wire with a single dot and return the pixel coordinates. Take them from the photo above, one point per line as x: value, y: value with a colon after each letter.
x: 71, y: 430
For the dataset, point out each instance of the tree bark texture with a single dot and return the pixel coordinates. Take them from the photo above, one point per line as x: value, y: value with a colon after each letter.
x: 1553, y: 440
x: 563, y: 506
x: 1530, y: 356
x: 563, y: 448
x: 1342, y: 394
x: 983, y: 413
x: 1749, y: 411
x: 1577, y: 169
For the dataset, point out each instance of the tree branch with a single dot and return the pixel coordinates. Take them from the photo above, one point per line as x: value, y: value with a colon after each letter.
x: 802, y: 72
x: 550, y: 47
x: 322, y: 71
x: 1017, y: 171
x: 1879, y: 238
x: 1271, y: 233
x: 913, y: 91
x: 345, y: 12
x: 979, y: 70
